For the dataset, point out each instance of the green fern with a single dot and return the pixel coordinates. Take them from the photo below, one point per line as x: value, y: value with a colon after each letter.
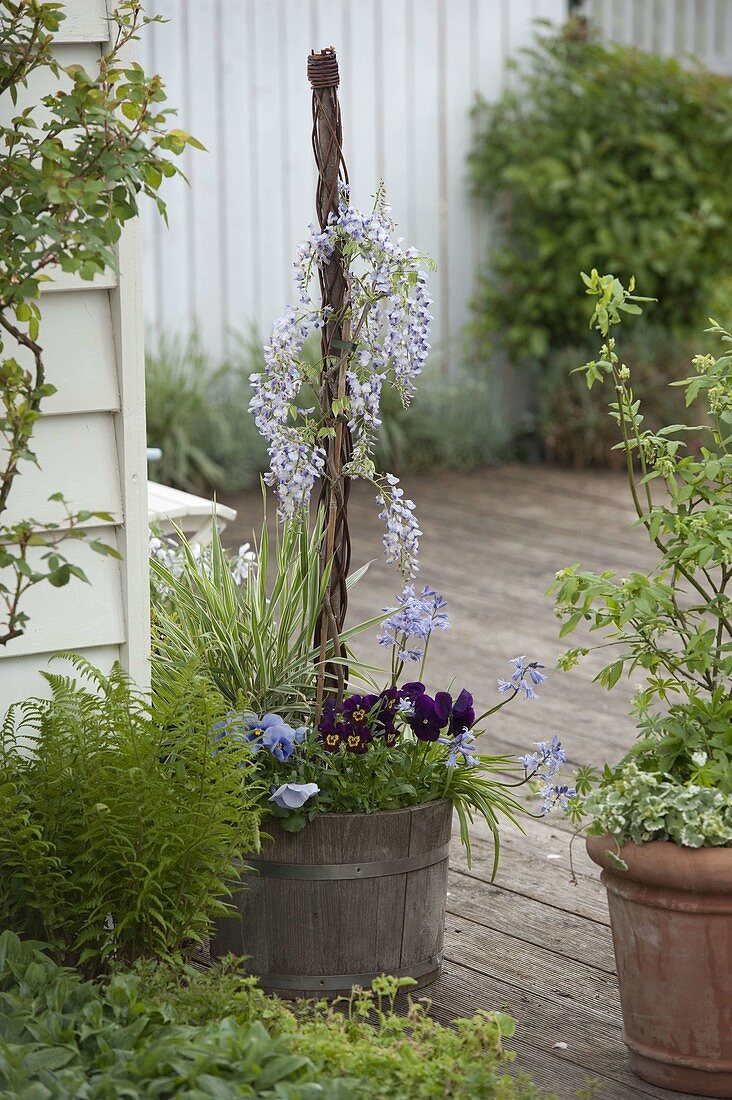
x: 118, y: 820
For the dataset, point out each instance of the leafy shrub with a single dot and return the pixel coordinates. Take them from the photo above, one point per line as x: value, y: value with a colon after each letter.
x: 118, y: 829
x: 153, y: 1034
x: 455, y: 422
x: 197, y: 414
x: 575, y: 426
x: 602, y: 156
x: 386, y: 1054
x: 673, y: 622
x: 61, y: 1037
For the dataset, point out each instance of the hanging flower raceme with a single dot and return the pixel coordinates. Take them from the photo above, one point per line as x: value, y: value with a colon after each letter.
x: 388, y: 317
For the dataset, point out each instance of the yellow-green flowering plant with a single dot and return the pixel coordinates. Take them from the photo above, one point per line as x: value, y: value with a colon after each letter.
x: 675, y: 621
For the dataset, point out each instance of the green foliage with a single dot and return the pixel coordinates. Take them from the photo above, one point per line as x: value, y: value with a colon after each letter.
x: 254, y: 641
x: 639, y: 805
x: 575, y: 428
x: 61, y: 1037
x: 197, y: 414
x: 71, y: 169
x: 118, y: 822
x: 385, y: 1054
x: 675, y: 622
x: 601, y: 155
x: 455, y: 422
x: 159, y: 1033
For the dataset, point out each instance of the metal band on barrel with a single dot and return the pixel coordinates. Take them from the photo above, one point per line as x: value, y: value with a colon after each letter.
x: 332, y: 871
x: 314, y: 982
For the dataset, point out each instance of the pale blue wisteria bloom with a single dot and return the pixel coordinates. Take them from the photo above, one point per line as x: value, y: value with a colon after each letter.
x: 390, y: 316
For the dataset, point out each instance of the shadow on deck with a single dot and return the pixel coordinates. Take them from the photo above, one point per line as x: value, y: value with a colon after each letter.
x: 530, y: 942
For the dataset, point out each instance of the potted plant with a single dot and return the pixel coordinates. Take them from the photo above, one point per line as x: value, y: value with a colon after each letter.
x: 359, y: 775
x: 661, y: 820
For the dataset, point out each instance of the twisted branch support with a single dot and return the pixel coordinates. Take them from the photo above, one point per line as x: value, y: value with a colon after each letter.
x: 327, y: 141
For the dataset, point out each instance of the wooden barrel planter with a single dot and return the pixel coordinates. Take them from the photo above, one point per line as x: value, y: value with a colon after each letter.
x: 349, y: 897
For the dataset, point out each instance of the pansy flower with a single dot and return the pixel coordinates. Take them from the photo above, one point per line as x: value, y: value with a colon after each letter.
x: 430, y: 715
x: 331, y: 727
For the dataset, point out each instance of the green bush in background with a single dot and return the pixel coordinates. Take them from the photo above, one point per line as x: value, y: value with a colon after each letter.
x: 601, y: 156
x: 197, y: 413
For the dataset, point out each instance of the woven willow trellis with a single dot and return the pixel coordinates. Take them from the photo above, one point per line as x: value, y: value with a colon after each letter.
x: 336, y: 346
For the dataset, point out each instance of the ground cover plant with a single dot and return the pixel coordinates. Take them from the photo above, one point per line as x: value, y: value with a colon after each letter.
x: 637, y: 189
x: 162, y: 1033
x: 72, y: 167
x: 118, y: 824
x: 674, y: 623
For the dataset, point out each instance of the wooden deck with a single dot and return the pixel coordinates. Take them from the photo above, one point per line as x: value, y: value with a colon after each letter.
x: 531, y: 942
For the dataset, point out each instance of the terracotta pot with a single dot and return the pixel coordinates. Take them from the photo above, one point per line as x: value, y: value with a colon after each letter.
x: 349, y: 897
x: 671, y: 917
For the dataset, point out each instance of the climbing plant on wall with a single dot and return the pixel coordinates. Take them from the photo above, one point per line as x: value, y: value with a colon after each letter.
x: 72, y: 165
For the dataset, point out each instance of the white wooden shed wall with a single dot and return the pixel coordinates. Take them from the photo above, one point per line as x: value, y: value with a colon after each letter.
x: 90, y: 443
x: 410, y: 72
x: 698, y: 28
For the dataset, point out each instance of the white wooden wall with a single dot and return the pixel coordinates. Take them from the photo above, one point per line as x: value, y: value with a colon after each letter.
x: 702, y: 28
x: 90, y: 443
x: 236, y: 69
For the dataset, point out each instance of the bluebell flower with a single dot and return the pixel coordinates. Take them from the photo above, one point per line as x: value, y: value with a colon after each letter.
x: 291, y: 796
x: 521, y: 677
x: 462, y: 744
x: 554, y: 795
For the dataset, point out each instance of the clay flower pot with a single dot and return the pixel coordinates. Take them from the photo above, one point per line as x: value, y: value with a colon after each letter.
x: 671, y: 917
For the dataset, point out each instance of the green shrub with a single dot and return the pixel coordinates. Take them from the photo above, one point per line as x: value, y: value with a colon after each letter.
x: 455, y: 422
x: 575, y: 426
x: 65, y: 1039
x: 197, y: 414
x: 393, y: 1056
x: 602, y: 156
x: 118, y: 828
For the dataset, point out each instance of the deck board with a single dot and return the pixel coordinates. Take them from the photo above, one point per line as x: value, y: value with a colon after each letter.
x: 530, y: 942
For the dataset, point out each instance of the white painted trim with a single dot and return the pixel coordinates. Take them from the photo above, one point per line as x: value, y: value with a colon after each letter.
x: 127, y: 326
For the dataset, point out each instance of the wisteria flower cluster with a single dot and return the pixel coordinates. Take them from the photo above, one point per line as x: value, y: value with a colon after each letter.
x: 388, y: 318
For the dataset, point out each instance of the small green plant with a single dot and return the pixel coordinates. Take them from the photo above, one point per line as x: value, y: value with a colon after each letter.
x: 164, y: 1033
x: 118, y: 820
x: 71, y: 170
x: 675, y: 622
x: 252, y: 637
x: 61, y: 1037
x: 387, y: 1052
